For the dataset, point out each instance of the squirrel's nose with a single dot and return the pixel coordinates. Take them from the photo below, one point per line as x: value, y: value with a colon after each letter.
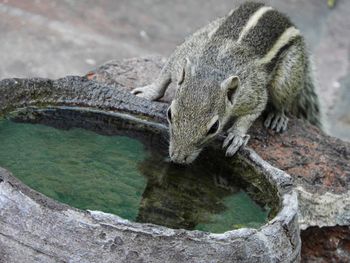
x: 176, y: 158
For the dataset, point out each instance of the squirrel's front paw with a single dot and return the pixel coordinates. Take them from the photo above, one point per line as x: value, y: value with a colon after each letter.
x: 148, y: 92
x: 276, y: 121
x: 233, y: 142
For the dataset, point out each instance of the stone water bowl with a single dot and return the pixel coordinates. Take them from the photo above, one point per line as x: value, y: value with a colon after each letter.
x: 36, y: 228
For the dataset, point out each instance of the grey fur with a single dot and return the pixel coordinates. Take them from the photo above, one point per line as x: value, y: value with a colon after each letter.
x: 237, y: 19
x: 224, y: 78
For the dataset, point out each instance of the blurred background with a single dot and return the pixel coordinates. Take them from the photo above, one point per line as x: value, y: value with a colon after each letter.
x: 54, y: 38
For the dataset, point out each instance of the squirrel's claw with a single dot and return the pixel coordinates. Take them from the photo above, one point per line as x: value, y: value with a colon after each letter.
x: 228, y: 139
x: 148, y: 92
x: 277, y: 122
x: 235, y: 142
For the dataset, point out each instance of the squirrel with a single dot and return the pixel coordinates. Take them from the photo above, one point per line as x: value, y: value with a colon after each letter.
x: 228, y: 73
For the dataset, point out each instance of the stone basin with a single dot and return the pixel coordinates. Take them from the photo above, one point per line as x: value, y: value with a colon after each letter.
x: 35, y: 228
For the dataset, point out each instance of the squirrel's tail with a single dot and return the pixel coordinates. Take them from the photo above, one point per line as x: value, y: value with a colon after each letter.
x: 307, y: 106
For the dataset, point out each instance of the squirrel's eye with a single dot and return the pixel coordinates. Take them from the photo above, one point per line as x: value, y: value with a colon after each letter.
x: 214, y: 128
x: 169, y: 114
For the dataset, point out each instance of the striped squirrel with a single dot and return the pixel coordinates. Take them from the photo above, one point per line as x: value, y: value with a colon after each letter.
x: 228, y: 73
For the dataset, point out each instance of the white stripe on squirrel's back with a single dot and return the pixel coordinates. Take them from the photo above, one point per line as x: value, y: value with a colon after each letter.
x: 283, y: 40
x: 253, y: 21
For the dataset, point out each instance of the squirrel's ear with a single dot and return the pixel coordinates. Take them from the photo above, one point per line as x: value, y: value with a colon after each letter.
x: 229, y: 86
x: 186, y: 69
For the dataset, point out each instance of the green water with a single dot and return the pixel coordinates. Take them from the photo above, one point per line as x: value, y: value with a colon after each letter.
x: 242, y: 212
x: 118, y: 174
x: 77, y: 167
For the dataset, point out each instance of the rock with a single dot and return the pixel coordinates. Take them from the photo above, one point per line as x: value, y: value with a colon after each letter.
x: 320, y: 166
x: 74, y: 92
x: 326, y: 244
x: 131, y: 73
x: 34, y: 228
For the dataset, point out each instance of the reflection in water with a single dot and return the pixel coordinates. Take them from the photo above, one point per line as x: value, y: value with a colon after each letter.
x: 112, y: 173
x: 204, y: 196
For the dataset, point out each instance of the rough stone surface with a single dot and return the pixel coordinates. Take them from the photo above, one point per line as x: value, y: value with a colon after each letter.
x: 34, y: 228
x: 319, y: 164
x: 326, y: 244
x: 131, y: 73
x: 73, y: 91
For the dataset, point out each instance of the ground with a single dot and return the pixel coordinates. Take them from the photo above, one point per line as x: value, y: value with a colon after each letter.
x: 54, y: 38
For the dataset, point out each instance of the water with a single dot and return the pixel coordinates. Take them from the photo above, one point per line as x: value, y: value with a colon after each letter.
x: 127, y: 176
x: 77, y: 167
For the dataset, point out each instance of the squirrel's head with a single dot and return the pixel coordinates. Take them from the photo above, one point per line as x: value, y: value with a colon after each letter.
x: 198, y: 112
